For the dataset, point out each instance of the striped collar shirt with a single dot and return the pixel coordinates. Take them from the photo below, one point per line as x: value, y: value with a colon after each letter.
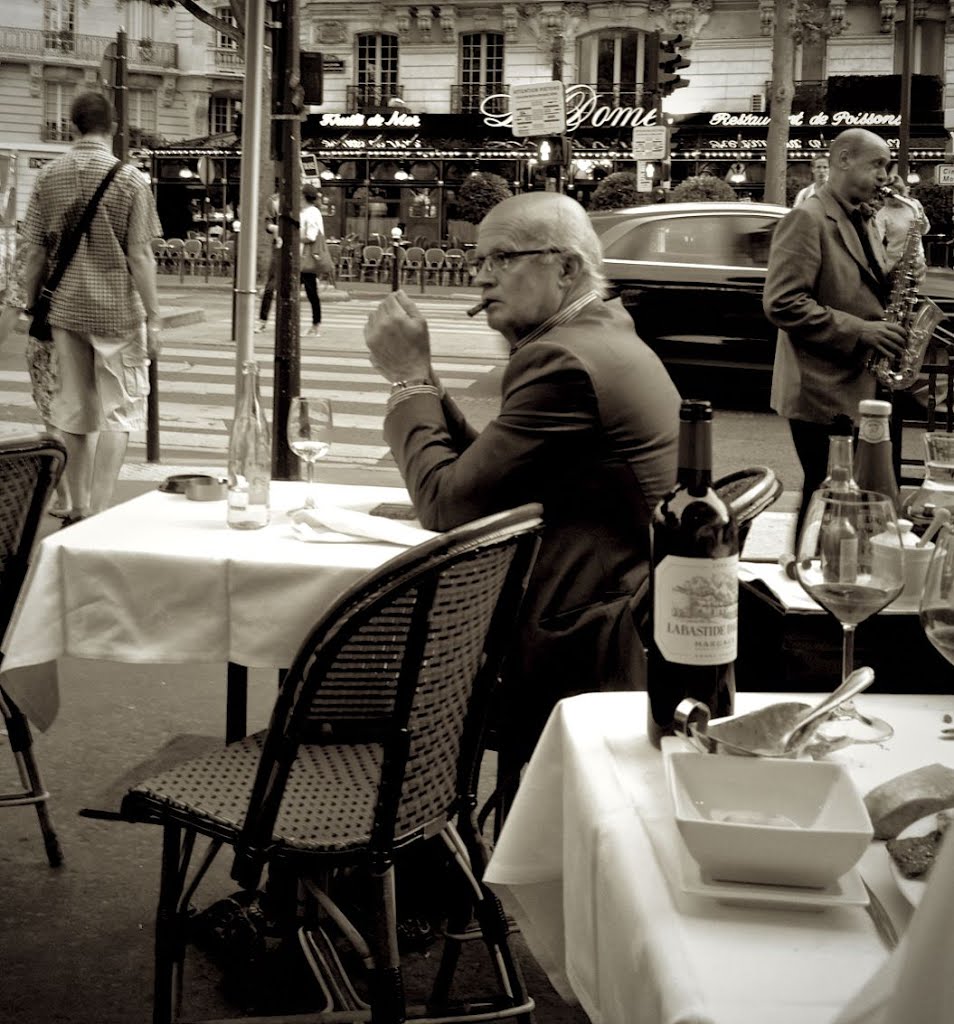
x: 560, y: 317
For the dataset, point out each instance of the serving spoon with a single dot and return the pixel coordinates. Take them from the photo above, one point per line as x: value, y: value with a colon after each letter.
x: 779, y: 730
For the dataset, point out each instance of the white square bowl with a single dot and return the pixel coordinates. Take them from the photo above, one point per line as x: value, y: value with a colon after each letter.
x: 768, y: 821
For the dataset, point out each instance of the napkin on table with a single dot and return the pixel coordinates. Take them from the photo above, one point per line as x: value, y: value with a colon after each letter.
x: 356, y: 524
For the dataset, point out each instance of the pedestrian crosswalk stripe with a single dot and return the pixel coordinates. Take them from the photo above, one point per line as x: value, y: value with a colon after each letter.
x: 194, y: 352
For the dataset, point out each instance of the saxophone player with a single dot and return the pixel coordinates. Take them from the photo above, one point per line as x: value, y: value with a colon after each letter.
x: 826, y: 289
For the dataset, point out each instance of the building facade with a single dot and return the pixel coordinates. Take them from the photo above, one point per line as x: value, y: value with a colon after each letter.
x: 416, y: 97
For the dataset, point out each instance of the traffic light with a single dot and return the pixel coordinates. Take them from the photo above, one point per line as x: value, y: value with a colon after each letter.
x: 671, y: 62
x: 554, y: 152
x: 662, y: 172
x: 312, y: 77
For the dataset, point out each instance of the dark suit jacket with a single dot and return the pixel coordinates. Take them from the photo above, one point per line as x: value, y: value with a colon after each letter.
x: 818, y: 290
x: 588, y: 426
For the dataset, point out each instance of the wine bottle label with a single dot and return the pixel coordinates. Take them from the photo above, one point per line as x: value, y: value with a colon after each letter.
x: 873, y: 429
x: 696, y: 609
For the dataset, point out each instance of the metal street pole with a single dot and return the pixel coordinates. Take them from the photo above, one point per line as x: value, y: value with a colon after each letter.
x: 287, y: 359
x: 250, y: 176
x: 904, y: 135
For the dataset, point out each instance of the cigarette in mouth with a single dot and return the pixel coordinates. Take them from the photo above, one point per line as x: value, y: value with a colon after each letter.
x: 478, y: 308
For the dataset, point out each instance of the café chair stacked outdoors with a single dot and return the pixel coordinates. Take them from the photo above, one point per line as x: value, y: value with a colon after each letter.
x: 374, y: 747
x: 372, y: 257
x: 29, y: 471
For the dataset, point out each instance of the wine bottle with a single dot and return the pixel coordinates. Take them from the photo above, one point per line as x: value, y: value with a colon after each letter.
x: 250, y: 453
x: 874, y: 468
x: 695, y: 585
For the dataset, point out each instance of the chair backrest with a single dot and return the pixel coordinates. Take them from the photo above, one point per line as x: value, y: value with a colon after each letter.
x: 159, y: 247
x: 334, y: 251
x: 372, y: 254
x: 454, y: 256
x: 30, y: 468
x: 434, y: 257
x: 414, y: 257
x: 405, y: 660
x: 193, y: 247
x: 174, y: 245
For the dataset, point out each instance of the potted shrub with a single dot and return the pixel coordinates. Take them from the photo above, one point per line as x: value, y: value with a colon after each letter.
x: 478, y: 194
x: 703, y: 188
x: 618, y: 191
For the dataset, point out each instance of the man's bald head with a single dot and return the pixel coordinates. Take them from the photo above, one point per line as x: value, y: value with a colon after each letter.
x: 859, y: 162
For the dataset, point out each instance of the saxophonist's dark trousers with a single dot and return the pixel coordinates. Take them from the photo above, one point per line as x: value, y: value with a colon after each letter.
x: 811, y: 447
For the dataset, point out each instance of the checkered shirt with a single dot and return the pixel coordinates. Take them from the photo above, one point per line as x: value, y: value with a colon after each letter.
x: 97, y: 294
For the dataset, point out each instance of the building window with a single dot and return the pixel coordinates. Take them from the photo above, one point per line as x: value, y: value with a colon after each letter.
x: 142, y: 109
x: 481, y: 69
x: 224, y: 114
x: 222, y: 41
x: 613, y: 62
x: 927, y: 50
x: 140, y: 20
x: 376, y: 69
x: 59, y: 24
x: 57, y: 97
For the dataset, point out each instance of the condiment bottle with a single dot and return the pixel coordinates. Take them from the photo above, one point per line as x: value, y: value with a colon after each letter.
x: 840, y: 476
x: 695, y: 585
x: 250, y: 453
x: 874, y: 468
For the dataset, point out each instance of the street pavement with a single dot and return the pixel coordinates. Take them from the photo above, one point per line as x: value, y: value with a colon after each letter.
x: 197, y: 371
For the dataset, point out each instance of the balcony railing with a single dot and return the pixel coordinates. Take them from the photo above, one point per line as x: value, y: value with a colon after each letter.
x: 228, y: 58
x: 32, y: 42
x: 616, y: 94
x: 360, y: 97
x: 466, y: 99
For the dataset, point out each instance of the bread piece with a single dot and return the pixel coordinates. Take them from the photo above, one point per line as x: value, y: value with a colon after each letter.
x: 944, y: 821
x: 914, y: 855
x: 897, y: 803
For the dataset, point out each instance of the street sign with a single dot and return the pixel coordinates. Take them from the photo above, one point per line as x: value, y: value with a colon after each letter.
x: 651, y: 143
x: 945, y: 174
x: 538, y: 109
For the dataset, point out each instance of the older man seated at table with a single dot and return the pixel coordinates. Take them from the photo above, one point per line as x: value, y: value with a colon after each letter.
x: 587, y: 426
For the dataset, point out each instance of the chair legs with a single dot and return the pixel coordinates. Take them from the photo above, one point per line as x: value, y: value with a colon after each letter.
x: 33, y: 792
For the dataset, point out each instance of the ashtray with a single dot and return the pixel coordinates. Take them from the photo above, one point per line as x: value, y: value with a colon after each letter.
x: 207, y: 489
x: 177, y: 483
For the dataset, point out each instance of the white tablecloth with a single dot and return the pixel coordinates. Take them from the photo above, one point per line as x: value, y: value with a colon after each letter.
x: 161, y: 579
x: 586, y: 863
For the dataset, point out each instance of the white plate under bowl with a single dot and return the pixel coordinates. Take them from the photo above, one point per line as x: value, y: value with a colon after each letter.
x: 912, y: 889
x: 847, y: 891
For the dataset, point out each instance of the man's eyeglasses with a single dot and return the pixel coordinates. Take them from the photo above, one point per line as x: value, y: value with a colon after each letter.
x: 500, y: 261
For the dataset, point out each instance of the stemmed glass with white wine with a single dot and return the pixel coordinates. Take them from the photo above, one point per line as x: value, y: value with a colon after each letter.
x: 937, y: 598
x: 309, y: 434
x: 850, y: 560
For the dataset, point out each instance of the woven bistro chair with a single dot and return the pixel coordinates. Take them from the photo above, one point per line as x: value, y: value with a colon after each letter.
x: 372, y: 258
x: 434, y: 264
x: 413, y: 263
x: 374, y: 746
x: 29, y: 470
x: 454, y: 261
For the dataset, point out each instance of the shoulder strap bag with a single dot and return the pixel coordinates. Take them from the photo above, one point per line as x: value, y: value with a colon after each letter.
x: 39, y: 324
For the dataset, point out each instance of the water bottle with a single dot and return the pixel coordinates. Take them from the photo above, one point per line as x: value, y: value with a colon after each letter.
x: 250, y: 453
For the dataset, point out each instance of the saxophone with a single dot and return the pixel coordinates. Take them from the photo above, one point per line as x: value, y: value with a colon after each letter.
x: 917, y: 315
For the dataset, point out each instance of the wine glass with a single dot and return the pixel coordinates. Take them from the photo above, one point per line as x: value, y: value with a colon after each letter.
x: 937, y: 598
x: 851, y: 561
x: 309, y: 433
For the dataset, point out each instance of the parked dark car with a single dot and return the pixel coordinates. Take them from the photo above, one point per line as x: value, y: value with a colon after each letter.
x: 691, y: 276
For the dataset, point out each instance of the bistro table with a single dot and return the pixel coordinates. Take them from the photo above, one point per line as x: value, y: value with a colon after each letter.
x: 588, y: 863
x: 161, y: 579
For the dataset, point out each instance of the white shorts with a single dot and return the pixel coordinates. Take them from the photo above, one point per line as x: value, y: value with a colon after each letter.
x: 102, y: 382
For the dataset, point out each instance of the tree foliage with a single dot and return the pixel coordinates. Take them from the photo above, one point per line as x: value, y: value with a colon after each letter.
x: 479, y: 194
x: 236, y: 31
x: 703, y: 188
x: 618, y: 191
x: 937, y: 201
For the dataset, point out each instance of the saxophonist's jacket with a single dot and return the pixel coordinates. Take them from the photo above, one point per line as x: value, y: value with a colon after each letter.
x: 818, y: 289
